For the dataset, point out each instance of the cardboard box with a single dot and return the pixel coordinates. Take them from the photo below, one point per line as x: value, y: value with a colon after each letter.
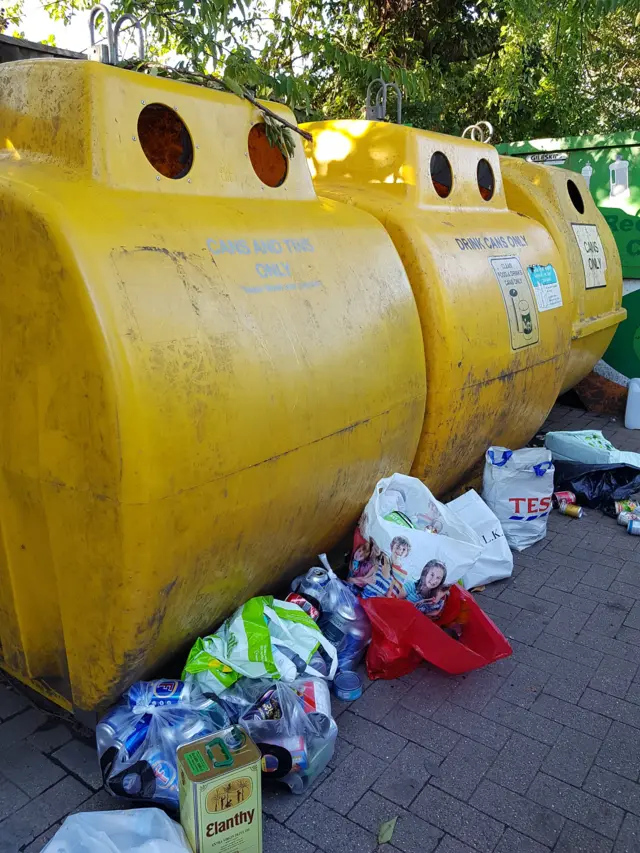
x: 221, y: 793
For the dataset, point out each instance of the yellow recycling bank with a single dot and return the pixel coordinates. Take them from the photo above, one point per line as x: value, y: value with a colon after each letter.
x: 206, y: 365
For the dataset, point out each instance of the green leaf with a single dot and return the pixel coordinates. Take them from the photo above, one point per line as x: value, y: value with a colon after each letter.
x: 386, y: 830
x: 233, y: 86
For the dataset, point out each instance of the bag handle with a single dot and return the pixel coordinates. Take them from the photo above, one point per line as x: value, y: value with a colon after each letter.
x: 541, y: 468
x: 505, y: 456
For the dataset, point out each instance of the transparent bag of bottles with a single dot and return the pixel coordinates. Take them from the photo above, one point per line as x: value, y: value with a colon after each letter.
x: 291, y: 724
x: 138, y: 738
x: 342, y: 620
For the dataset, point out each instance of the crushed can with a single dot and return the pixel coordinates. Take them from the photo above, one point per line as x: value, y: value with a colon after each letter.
x: 568, y: 497
x: 221, y: 793
x: 573, y: 510
x: 634, y: 528
x: 626, y: 505
x: 625, y: 517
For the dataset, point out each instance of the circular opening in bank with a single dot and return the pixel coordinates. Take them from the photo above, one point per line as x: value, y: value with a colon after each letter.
x: 576, y: 196
x: 268, y: 161
x: 165, y: 140
x: 441, y: 174
x: 486, y: 180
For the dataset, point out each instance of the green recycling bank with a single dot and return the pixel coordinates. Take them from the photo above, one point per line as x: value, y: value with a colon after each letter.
x: 610, y: 166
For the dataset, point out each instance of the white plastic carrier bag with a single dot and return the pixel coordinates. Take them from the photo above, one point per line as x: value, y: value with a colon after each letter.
x: 119, y: 831
x: 496, y: 560
x: 518, y: 487
x: 409, y: 545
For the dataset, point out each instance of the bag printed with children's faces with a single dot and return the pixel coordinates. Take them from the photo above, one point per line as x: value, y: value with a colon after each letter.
x: 409, y: 545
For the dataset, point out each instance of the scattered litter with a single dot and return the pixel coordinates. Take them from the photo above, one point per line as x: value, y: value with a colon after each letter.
x: 341, y: 617
x: 347, y: 686
x: 495, y: 562
x: 221, y: 793
x: 119, y: 831
x: 137, y: 739
x: 518, y: 486
x: 265, y: 638
x: 402, y: 637
x: 385, y: 833
x: 598, y: 486
x: 410, y: 546
x: 634, y: 528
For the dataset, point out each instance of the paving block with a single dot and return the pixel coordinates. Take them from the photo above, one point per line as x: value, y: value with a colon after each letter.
x: 42, y: 812
x: 529, y: 602
x: 549, y: 593
x: 378, y: 699
x: 280, y: 803
x: 614, y: 676
x: 566, y: 578
x: 11, y: 702
x: 515, y: 842
x: 519, y: 813
x: 579, y: 839
x: 449, y: 844
x: 431, y: 735
x: 607, y: 619
x: 464, y: 767
x: 569, y: 681
x: 571, y: 715
x: 531, y: 580
x: 614, y: 789
x: 600, y: 576
x: 523, y: 721
x: 534, y: 657
x: 628, y: 635
x: 567, y: 623
x: 103, y: 801
x: 472, y: 725
x: 633, y: 619
x: 82, y: 760
x: 341, y: 750
x: 579, y: 806
x: 12, y: 798
x: 620, y: 751
x: 428, y: 695
x: 629, y: 573
x: 628, y: 840
x: 370, y: 737
x: 523, y: 685
x: 29, y: 769
x: 276, y: 838
x: 19, y: 727
x: 50, y: 736
x: 38, y: 844
x: 607, y: 645
x: 408, y: 773
x: 411, y: 833
x: 571, y: 757
x: 527, y: 627
x: 476, y: 688
x: 518, y: 762
x: 461, y: 820
x: 330, y: 831
x: 349, y: 782
x: 611, y: 706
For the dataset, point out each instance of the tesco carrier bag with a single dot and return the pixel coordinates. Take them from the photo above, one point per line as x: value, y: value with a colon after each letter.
x: 518, y: 487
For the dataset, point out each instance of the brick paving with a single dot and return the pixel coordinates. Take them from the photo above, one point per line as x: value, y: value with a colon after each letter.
x: 538, y: 752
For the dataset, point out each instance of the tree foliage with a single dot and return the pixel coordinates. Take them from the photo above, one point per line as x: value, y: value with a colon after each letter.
x: 531, y: 67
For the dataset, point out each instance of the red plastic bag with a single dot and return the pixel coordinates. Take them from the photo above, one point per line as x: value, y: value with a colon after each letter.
x: 402, y: 637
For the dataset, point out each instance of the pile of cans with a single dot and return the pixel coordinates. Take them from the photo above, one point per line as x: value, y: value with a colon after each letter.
x: 628, y: 514
x: 567, y: 504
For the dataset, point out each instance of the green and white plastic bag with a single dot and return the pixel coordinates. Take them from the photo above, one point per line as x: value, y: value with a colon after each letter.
x: 265, y: 638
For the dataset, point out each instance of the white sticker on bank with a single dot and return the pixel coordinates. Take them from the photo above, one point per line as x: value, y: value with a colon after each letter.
x: 545, y: 286
x: 593, y: 259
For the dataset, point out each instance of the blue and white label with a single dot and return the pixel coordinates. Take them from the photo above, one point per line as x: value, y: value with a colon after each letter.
x: 546, y: 286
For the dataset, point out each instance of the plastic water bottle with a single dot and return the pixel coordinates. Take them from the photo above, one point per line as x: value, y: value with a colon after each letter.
x: 632, y: 413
